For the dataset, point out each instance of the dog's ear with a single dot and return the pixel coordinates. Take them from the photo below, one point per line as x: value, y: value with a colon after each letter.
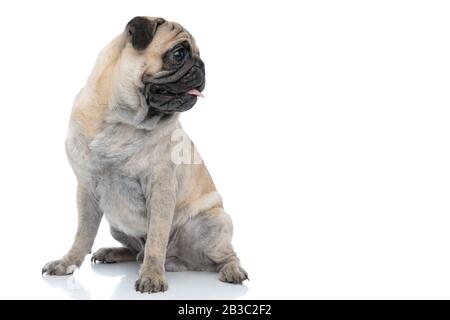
x: 141, y: 30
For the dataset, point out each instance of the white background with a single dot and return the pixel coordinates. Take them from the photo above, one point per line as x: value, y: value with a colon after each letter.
x: 325, y: 127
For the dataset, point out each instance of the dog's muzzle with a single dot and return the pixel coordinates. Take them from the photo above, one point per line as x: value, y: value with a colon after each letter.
x: 170, y: 92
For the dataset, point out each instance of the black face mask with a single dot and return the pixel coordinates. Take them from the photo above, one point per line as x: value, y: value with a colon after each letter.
x: 177, y: 89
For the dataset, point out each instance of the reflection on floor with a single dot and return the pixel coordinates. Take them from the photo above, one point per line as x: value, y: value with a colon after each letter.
x: 182, y: 285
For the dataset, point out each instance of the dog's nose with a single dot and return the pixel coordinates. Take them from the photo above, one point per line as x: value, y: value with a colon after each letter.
x: 199, y: 64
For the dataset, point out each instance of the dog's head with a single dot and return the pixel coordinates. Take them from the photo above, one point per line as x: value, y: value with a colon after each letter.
x: 173, y: 75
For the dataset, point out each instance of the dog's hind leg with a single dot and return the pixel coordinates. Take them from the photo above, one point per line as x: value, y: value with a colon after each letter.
x: 129, y: 252
x: 204, y: 243
x: 173, y: 264
x: 113, y: 255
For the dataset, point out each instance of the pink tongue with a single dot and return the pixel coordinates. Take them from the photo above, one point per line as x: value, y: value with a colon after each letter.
x: 195, y: 92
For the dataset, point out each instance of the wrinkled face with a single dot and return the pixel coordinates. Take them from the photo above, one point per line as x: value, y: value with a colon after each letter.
x: 174, y: 74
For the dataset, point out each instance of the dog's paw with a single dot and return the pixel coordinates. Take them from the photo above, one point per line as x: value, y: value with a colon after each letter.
x: 58, y: 268
x: 151, y: 282
x: 104, y: 255
x: 233, y: 273
x: 113, y: 255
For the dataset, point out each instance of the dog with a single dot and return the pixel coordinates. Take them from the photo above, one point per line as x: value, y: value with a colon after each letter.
x: 162, y: 207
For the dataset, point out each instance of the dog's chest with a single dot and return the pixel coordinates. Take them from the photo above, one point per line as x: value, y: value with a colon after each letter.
x: 122, y: 200
x: 120, y: 168
x: 118, y: 165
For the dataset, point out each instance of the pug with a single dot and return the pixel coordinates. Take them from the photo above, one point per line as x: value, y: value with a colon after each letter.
x: 123, y: 144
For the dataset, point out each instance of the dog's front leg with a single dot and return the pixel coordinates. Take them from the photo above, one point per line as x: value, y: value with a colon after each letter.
x: 160, y: 209
x: 89, y: 217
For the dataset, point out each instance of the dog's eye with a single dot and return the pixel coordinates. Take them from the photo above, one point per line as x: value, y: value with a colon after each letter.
x: 179, y: 55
